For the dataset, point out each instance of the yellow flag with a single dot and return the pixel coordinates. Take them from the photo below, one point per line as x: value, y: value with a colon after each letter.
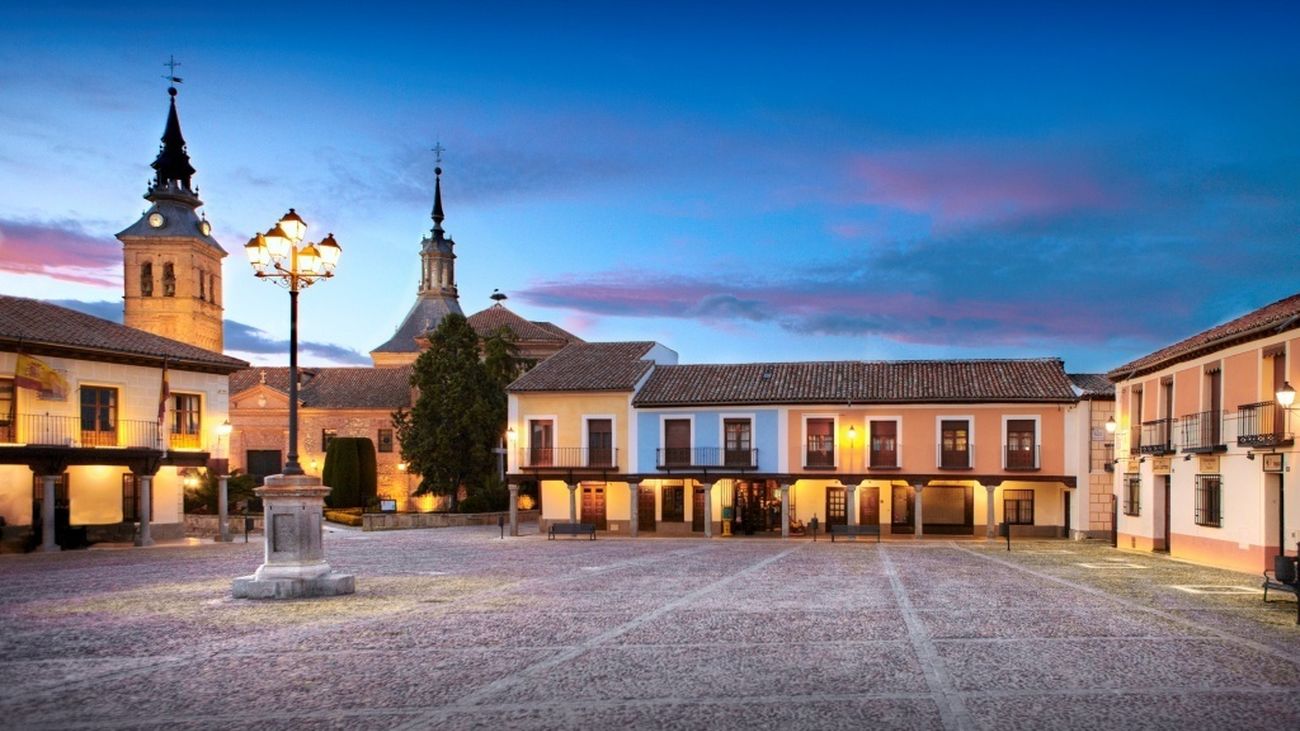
x: 35, y: 375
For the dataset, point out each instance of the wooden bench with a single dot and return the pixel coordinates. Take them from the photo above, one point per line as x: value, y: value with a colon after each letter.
x: 1286, y: 577
x: 854, y: 530
x: 571, y: 529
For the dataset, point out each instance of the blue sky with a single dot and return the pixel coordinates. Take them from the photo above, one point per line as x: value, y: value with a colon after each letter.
x: 737, y: 182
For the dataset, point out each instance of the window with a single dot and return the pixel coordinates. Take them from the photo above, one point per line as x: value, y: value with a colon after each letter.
x: 821, y: 443
x: 131, y: 499
x: 98, y: 416
x: 8, y: 408
x: 262, y: 463
x: 146, y: 279
x: 169, y: 280
x: 1022, y: 453
x: 327, y: 436
x: 1132, y: 489
x: 954, y: 445
x: 385, y: 440
x: 884, y: 444
x: 674, y: 507
x: 737, y: 437
x: 203, y: 285
x: 1018, y: 507
x: 600, y: 442
x: 1135, y: 426
x: 677, y: 442
x: 1209, y: 500
x: 541, y: 446
x: 186, y: 416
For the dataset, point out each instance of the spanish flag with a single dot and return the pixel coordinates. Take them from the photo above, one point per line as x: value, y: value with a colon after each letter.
x: 35, y: 375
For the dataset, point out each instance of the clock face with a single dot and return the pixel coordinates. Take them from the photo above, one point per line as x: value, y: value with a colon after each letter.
x: 205, y: 228
x: 156, y: 219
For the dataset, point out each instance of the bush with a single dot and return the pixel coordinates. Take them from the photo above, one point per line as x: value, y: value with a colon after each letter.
x: 350, y: 472
x: 490, y: 497
x: 367, y: 462
x: 203, y: 497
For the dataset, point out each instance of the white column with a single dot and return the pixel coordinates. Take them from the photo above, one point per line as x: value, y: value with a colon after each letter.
x: 146, y: 490
x: 48, y: 483
x: 916, y: 514
x: 708, y: 508
x: 223, y: 512
x: 850, y: 503
x: 634, y: 495
x: 514, y: 508
x: 991, y: 532
x: 573, y: 501
x: 785, y: 510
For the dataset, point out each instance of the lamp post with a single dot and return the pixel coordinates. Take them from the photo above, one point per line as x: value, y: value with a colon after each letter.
x: 223, y: 483
x: 293, y: 502
x: 1285, y: 397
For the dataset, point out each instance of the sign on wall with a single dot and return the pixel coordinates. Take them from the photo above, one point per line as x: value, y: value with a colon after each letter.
x: 1161, y: 465
x: 1208, y: 465
x: 1272, y: 462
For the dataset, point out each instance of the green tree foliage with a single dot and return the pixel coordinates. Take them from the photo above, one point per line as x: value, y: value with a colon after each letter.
x: 501, y: 357
x: 342, y: 473
x: 202, y: 498
x: 448, y: 436
x: 367, y: 463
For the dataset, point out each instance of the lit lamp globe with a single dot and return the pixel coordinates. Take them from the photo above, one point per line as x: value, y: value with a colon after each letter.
x: 1110, y: 425
x: 1286, y: 395
x: 293, y: 225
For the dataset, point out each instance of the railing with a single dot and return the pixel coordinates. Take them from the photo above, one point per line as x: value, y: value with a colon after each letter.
x: 1262, y: 425
x: 1157, y: 437
x: 1021, y: 459
x: 954, y: 459
x: 743, y: 459
x: 533, y: 457
x: 65, y: 431
x: 819, y: 452
x: 1201, y: 431
x: 883, y: 459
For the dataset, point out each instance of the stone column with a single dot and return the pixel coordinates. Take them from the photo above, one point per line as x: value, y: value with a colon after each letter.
x: 850, y: 505
x: 223, y: 511
x: 634, y: 494
x: 708, y: 508
x: 514, y: 508
x: 991, y: 532
x: 146, y: 492
x: 573, y: 501
x: 916, y: 514
x: 48, y: 483
x: 785, y: 510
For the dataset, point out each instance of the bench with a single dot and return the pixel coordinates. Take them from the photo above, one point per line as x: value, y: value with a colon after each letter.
x: 1286, y: 577
x: 854, y: 530
x: 571, y: 529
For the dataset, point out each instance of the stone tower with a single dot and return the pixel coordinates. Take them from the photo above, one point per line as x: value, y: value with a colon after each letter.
x: 436, y: 296
x: 172, y: 265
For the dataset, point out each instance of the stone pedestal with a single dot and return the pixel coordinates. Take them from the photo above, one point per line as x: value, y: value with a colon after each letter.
x: 295, y: 563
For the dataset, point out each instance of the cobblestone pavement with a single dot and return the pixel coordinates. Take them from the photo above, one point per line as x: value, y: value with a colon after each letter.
x: 454, y: 628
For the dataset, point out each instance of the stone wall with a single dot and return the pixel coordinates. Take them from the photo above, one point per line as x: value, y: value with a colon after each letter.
x: 207, y: 526
x: 406, y: 521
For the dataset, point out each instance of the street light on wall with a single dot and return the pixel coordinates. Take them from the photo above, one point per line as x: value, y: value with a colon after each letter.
x: 853, y: 435
x: 1110, y: 424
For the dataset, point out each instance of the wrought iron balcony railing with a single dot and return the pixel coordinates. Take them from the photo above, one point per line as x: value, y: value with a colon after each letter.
x: 1020, y: 459
x: 1201, y: 432
x: 1263, y: 424
x: 954, y: 459
x: 1157, y: 437
x: 542, y: 457
x: 740, y: 459
x: 45, y: 430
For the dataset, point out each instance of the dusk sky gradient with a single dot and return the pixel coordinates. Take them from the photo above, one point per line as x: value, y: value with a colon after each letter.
x: 740, y: 183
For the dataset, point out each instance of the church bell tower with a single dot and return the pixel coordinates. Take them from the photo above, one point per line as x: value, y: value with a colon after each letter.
x: 172, y: 265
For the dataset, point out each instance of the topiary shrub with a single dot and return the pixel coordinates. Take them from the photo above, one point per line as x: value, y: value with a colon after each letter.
x: 342, y: 473
x: 369, y: 467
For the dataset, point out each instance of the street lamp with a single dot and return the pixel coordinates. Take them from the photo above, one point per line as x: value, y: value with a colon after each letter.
x: 1285, y: 397
x: 223, y: 482
x: 853, y: 434
x: 292, y: 501
x: 281, y: 256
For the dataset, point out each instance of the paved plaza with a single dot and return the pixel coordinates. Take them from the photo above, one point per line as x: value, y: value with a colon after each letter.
x: 455, y: 628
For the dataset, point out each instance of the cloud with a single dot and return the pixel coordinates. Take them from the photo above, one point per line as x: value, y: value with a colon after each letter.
x: 239, y: 337
x: 61, y: 250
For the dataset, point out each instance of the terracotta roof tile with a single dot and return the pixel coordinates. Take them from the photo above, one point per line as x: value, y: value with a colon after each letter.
x: 41, y: 323
x: 1093, y: 385
x: 589, y: 367
x: 1281, y: 315
x: 486, y: 322
x: 859, y: 382
x: 336, y: 388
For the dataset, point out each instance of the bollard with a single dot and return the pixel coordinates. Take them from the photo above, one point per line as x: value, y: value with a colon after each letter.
x: 248, y: 525
x: 1005, y: 529
x: 501, y: 524
x: 812, y: 527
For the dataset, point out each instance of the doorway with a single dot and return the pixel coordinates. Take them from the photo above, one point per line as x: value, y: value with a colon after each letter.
x: 593, y: 505
x: 645, y: 509
x: 697, y: 510
x: 1066, y: 512
x: 901, y: 519
x: 756, y: 508
x: 837, y: 507
x: 1163, y: 492
x: 949, y: 510
x: 869, y: 506
x: 262, y: 463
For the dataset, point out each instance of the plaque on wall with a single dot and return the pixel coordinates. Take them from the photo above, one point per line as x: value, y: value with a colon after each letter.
x: 1161, y: 465
x: 1272, y: 462
x: 1208, y: 465
x: 1133, y: 466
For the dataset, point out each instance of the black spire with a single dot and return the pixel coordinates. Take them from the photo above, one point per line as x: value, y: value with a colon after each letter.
x: 172, y: 167
x: 437, y: 201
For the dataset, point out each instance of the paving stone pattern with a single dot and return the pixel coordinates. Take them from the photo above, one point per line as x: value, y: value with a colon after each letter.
x: 454, y: 628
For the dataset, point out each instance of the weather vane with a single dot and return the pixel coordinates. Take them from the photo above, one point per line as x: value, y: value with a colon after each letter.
x: 171, y: 65
x: 438, y: 149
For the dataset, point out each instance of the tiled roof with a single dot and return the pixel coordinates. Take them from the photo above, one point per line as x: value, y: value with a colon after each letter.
x: 34, y: 323
x: 859, y: 382
x: 1093, y: 385
x: 1281, y: 315
x: 336, y: 388
x: 589, y: 367
x: 486, y: 322
x: 423, y: 317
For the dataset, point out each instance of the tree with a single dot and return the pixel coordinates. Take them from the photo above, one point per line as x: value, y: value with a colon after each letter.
x: 202, y: 498
x: 350, y: 472
x: 448, y: 435
x: 501, y: 357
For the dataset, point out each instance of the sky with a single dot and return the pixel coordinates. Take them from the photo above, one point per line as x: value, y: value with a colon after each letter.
x: 737, y: 181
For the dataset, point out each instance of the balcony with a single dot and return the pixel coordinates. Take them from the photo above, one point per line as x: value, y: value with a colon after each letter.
x: 184, y: 441
x: 688, y: 457
x: 883, y: 459
x: 1157, y: 437
x: 1020, y: 459
x: 43, y: 430
x: 1263, y: 425
x: 1201, y: 432
x: 954, y: 459
x: 543, y: 457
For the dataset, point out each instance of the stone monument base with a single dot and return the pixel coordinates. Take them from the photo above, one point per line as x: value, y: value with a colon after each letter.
x: 295, y: 563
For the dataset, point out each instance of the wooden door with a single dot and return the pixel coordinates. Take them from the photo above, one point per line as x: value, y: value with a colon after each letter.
x: 593, y: 505
x: 869, y: 505
x: 1165, y: 492
x: 1066, y: 512
x: 600, y: 443
x: 677, y: 442
x: 697, y: 511
x: 1216, y: 408
x: 884, y: 444
x: 837, y: 510
x: 901, y: 512
x: 645, y: 509
x: 1020, y: 444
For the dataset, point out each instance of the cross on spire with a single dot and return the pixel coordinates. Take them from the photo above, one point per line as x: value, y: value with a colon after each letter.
x: 438, y: 149
x: 171, y: 65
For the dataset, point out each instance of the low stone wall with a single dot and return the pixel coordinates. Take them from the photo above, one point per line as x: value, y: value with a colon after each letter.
x: 408, y: 521
x: 208, y: 526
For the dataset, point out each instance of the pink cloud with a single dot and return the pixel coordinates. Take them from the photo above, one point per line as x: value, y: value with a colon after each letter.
x: 60, y: 250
